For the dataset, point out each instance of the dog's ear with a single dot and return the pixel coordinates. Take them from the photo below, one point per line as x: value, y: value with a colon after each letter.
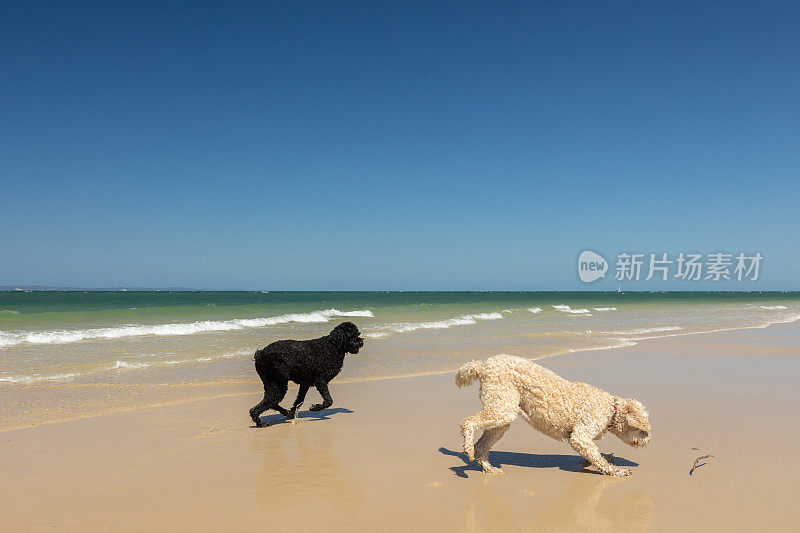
x: 636, y: 416
x: 344, y: 331
x: 350, y: 329
x: 338, y: 333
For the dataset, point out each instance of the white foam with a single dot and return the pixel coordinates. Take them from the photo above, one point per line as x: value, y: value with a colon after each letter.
x: 641, y: 331
x: 773, y: 307
x: 378, y: 334
x: 568, y: 309
x: 208, y: 358
x: 183, y: 328
x: 535, y: 310
x: 126, y: 364
x: 624, y: 344
x: 36, y: 378
x: 403, y: 327
x: 604, y: 308
x: 784, y: 320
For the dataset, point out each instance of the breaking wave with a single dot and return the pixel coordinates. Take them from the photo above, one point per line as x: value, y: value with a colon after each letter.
x: 568, y: 309
x: 535, y: 310
x: 181, y: 328
x: 773, y: 307
x: 604, y: 308
x: 403, y: 327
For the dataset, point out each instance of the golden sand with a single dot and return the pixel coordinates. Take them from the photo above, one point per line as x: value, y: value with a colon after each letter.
x: 387, y: 456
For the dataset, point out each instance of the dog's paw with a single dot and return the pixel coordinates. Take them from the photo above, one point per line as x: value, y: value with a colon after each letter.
x: 489, y: 469
x: 470, y: 454
x: 316, y: 407
x: 619, y: 472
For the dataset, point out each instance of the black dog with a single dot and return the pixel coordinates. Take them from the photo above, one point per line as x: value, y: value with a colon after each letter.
x: 307, y: 363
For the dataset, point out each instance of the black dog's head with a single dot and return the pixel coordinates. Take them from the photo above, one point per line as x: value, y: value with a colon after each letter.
x: 346, y: 335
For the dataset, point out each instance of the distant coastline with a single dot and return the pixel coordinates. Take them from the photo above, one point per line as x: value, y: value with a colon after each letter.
x: 48, y: 288
x: 51, y: 288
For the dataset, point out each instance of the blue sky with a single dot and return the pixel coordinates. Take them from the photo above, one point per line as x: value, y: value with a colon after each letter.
x: 370, y: 145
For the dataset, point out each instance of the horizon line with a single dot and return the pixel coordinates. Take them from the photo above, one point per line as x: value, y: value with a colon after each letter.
x: 47, y: 288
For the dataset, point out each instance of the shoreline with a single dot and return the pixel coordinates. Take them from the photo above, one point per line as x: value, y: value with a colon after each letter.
x: 626, y: 343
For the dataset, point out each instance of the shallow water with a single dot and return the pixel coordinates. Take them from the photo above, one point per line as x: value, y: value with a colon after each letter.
x: 153, y: 345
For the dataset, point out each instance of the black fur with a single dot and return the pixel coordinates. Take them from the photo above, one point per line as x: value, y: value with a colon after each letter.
x: 308, y: 363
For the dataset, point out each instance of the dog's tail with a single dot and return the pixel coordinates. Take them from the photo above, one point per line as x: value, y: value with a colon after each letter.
x: 469, y: 373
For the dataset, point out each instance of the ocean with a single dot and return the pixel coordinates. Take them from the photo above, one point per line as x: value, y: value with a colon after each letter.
x: 71, y: 354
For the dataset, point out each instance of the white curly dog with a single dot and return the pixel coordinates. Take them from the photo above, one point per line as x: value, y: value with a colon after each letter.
x: 562, y: 409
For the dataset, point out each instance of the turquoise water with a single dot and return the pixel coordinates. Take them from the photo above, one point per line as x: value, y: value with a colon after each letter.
x: 57, y: 336
x: 36, y: 310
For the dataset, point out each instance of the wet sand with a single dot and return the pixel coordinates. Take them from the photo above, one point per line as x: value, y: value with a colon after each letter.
x: 388, y: 455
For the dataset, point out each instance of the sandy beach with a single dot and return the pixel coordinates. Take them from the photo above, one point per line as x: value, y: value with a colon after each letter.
x: 388, y: 455
x: 205, y: 203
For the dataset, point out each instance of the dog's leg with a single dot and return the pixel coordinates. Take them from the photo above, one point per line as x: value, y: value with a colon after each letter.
x: 581, y: 442
x: 301, y: 396
x: 256, y: 411
x: 274, y: 391
x: 468, y: 426
x: 487, y: 419
x: 485, y: 443
x: 609, y: 457
x: 327, y: 401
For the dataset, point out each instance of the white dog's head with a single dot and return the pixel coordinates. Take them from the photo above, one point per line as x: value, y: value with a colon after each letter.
x: 632, y: 425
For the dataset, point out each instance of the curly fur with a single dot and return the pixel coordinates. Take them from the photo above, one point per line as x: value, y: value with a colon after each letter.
x: 564, y: 410
x: 312, y: 363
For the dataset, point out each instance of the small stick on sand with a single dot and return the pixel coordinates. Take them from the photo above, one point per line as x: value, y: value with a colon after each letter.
x: 695, y: 466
